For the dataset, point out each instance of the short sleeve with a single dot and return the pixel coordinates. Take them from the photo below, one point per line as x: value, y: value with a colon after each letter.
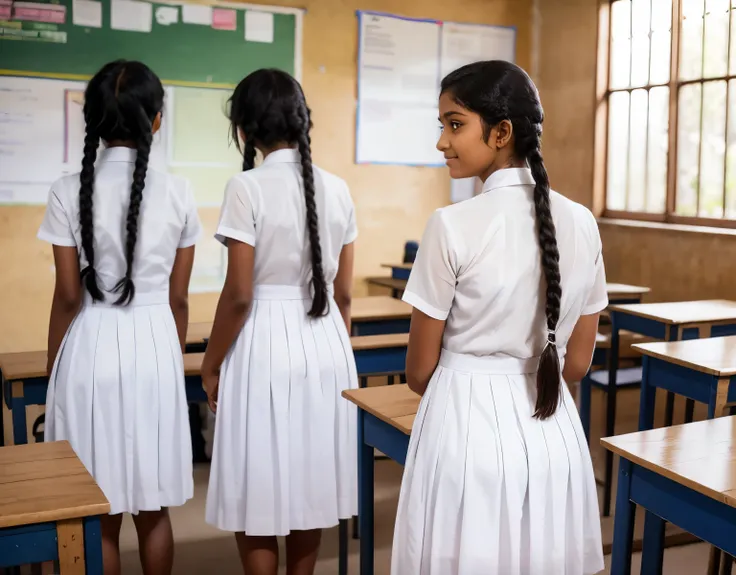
x: 237, y: 217
x: 597, y: 299
x: 351, y: 232
x: 431, y: 285
x: 192, y: 226
x: 56, y: 227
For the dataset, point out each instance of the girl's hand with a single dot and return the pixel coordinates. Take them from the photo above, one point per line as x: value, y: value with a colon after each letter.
x: 211, y: 384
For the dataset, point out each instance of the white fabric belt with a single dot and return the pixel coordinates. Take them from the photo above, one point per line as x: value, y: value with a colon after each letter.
x: 279, y: 292
x: 490, y: 364
x: 140, y: 299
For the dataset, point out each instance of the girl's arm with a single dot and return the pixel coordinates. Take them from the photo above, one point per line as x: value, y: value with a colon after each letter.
x: 344, y: 283
x: 67, y: 298
x: 179, y: 291
x: 232, y: 311
x: 580, y: 348
x: 423, y: 353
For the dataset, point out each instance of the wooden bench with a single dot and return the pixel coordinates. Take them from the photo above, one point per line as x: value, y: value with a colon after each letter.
x: 49, y: 509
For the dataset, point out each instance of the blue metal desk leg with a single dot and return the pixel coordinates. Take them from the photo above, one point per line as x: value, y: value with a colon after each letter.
x: 623, y: 526
x: 648, y: 395
x: 689, y: 410
x: 342, y: 568
x: 652, y: 545
x: 93, y: 545
x: 610, y: 413
x: 669, y: 410
x: 365, y: 499
x: 20, y: 429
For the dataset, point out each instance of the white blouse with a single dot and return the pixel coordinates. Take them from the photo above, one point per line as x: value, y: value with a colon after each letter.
x: 167, y: 221
x: 479, y: 267
x: 265, y: 208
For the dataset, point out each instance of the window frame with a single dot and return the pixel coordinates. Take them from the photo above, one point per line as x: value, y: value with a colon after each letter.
x: 603, y: 93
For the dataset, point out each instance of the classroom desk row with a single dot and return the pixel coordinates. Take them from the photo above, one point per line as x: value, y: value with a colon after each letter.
x: 685, y: 474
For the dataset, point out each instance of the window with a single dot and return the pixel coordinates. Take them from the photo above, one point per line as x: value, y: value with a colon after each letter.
x: 668, y: 95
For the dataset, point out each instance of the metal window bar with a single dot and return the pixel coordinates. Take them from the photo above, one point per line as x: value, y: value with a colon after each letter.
x: 702, y: 113
x: 728, y: 115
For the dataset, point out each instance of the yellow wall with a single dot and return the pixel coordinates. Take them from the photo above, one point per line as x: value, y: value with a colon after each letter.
x: 393, y: 203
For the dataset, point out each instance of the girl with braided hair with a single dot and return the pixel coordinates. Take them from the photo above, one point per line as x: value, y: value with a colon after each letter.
x: 284, y: 460
x: 506, y: 289
x: 123, y: 237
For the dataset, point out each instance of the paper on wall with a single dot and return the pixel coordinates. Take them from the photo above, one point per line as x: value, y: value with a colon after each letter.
x: 196, y: 14
x: 167, y: 15
x: 467, y: 43
x: 259, y: 26
x: 131, y: 15
x: 224, y: 19
x: 38, y: 12
x: 87, y: 13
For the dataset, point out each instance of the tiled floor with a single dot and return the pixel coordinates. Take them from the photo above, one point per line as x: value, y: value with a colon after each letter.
x: 203, y: 550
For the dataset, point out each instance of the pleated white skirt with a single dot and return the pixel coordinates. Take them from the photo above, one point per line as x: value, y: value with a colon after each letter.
x: 285, y: 451
x: 116, y: 393
x: 488, y: 489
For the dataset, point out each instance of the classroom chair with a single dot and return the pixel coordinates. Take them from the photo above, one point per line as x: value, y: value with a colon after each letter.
x: 410, y: 252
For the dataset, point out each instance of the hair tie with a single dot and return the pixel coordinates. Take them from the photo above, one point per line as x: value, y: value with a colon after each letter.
x: 551, y: 336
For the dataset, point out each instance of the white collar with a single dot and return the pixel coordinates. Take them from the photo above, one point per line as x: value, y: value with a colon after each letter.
x: 284, y: 156
x: 508, y: 177
x: 119, y: 154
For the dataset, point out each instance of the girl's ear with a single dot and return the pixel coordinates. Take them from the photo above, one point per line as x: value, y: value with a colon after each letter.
x: 503, y: 133
x: 156, y: 123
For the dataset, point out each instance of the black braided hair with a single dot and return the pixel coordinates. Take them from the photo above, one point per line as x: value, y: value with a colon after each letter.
x: 497, y: 90
x: 267, y: 109
x: 121, y: 103
x: 86, y: 220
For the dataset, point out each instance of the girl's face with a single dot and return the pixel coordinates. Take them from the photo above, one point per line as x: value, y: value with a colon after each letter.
x: 467, y: 153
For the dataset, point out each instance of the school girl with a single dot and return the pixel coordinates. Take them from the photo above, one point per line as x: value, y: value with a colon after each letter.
x: 284, y: 458
x: 117, y: 329
x: 506, y: 289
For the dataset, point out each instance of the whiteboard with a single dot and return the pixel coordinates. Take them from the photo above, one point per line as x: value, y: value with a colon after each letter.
x: 398, y: 81
x: 401, y: 62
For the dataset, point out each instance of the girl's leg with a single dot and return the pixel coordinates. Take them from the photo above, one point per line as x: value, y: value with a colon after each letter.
x: 259, y: 555
x: 155, y: 541
x: 302, y: 548
x: 110, y: 525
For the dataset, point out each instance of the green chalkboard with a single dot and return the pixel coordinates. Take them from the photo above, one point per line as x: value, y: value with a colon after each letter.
x: 180, y: 53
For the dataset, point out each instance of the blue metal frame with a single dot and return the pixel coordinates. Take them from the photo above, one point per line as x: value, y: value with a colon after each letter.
x: 400, y: 273
x: 380, y: 360
x: 380, y: 327
x: 665, y: 501
x: 373, y: 433
x: 38, y: 543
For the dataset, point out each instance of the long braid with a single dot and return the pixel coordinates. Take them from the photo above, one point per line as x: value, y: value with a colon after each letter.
x: 548, y: 374
x: 86, y: 216
x: 320, y: 297
x: 126, y: 285
x: 249, y: 153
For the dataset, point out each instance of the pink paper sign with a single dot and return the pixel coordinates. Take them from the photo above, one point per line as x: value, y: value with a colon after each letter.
x: 224, y: 19
x: 37, y: 12
x: 5, y: 12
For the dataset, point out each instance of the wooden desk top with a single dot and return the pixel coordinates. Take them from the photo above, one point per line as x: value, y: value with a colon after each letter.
x: 392, y: 283
x: 715, y: 356
x: 363, y: 342
x: 700, y: 455
x: 198, y: 332
x: 394, y: 404
x: 683, y: 312
x: 43, y: 482
x: 625, y: 290
x: 380, y: 307
x: 23, y: 365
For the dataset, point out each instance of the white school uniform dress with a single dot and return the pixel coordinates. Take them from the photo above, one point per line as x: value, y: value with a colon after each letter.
x: 285, y: 451
x: 487, y: 488
x: 116, y: 392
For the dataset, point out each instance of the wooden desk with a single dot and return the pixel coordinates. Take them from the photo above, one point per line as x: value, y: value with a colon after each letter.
x: 197, y: 336
x: 385, y: 418
x: 49, y: 509
x: 376, y: 315
x: 399, y: 271
x: 624, y: 293
x: 669, y: 322
x: 700, y: 370
x: 685, y: 475
x: 396, y: 286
